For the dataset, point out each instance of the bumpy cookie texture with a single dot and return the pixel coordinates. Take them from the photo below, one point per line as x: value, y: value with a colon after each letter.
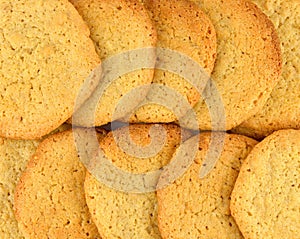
x: 266, y: 197
x: 117, y: 26
x: 185, y: 29
x: 46, y: 55
x: 49, y: 199
x: 199, y: 208
x: 127, y: 215
x: 248, y: 63
x: 282, y: 110
x: 14, y: 155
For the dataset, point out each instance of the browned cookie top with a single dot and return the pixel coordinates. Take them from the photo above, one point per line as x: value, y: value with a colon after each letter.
x: 248, y: 64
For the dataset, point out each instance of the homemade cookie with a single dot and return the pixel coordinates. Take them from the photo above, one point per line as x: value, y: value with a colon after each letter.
x: 282, y: 110
x: 118, y: 27
x: 49, y: 199
x: 198, y: 208
x: 247, y: 67
x: 184, y: 29
x: 265, y: 201
x: 14, y: 155
x: 46, y: 55
x: 124, y: 214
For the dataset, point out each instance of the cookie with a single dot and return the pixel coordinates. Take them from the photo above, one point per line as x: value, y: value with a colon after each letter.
x: 14, y: 155
x: 192, y: 207
x: 121, y: 213
x: 46, y: 56
x: 282, y: 109
x: 49, y: 199
x: 185, y: 30
x: 247, y: 67
x: 265, y: 201
x: 118, y: 27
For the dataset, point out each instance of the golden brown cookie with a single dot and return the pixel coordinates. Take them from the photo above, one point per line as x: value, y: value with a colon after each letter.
x: 14, y: 155
x: 282, y: 109
x: 184, y: 29
x: 265, y: 201
x: 117, y: 211
x: 247, y: 68
x: 46, y: 55
x: 117, y: 27
x: 49, y: 199
x: 196, y: 208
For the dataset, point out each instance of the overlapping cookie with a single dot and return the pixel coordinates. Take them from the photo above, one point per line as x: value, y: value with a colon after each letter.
x: 191, y: 207
x: 14, y: 155
x: 183, y: 29
x: 282, y: 109
x: 46, y: 56
x: 118, y: 207
x: 265, y: 201
x: 124, y: 38
x: 247, y: 67
x: 49, y: 199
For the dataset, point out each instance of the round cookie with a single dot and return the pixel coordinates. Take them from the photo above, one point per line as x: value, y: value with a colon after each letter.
x: 14, y: 155
x: 282, y: 109
x: 183, y: 28
x: 121, y: 214
x: 247, y: 67
x: 117, y: 26
x: 198, y: 208
x: 46, y: 56
x: 265, y: 201
x: 49, y: 199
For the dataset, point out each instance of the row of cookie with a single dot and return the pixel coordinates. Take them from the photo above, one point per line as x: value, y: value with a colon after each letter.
x: 55, y: 198
x: 238, y: 89
x: 44, y: 68
x: 231, y: 41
